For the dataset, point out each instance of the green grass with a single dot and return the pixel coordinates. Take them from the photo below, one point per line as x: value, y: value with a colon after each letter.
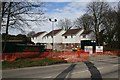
x: 30, y: 63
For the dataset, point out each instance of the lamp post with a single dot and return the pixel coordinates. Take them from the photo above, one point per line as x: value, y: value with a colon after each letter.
x: 53, y: 20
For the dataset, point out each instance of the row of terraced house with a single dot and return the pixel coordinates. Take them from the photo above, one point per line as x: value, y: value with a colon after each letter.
x: 63, y: 39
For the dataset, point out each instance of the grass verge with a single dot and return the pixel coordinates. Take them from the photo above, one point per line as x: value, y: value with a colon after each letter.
x: 21, y: 63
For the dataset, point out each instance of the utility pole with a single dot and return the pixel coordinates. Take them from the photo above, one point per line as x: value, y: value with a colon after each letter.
x: 53, y: 20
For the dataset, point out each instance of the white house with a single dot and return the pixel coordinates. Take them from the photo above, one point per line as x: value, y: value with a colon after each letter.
x: 60, y: 39
x: 38, y: 37
x: 71, y: 38
x: 87, y: 35
x: 54, y: 39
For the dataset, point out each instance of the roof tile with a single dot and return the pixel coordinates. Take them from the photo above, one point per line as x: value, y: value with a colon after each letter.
x: 86, y: 32
x: 54, y: 32
x: 72, y: 32
x: 38, y: 34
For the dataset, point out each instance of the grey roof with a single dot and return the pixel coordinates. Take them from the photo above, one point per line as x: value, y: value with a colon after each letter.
x: 72, y: 32
x: 53, y: 32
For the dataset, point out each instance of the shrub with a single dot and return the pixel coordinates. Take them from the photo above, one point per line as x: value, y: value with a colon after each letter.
x: 20, y: 63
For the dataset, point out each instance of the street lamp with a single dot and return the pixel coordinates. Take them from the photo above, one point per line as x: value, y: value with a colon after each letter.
x: 53, y: 20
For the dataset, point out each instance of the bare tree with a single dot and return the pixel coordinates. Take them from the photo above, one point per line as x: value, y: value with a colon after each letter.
x: 64, y: 24
x: 85, y: 22
x: 30, y: 34
x: 97, y: 10
x: 0, y: 14
x: 117, y: 28
x: 14, y: 14
x: 109, y: 24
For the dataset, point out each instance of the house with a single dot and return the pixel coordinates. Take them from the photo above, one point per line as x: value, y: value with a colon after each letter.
x: 71, y: 38
x: 87, y: 35
x: 37, y: 38
x: 88, y: 39
x: 59, y: 39
x: 53, y: 39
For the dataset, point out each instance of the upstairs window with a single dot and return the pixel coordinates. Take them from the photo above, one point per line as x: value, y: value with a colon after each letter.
x: 84, y: 36
x: 65, y: 37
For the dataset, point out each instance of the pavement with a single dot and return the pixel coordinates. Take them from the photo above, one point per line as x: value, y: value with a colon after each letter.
x: 98, y: 67
x: 101, y: 57
x: 89, y: 58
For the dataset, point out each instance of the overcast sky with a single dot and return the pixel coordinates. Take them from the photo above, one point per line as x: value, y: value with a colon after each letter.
x: 61, y: 9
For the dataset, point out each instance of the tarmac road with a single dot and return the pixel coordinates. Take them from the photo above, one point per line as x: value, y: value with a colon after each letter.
x: 100, y: 69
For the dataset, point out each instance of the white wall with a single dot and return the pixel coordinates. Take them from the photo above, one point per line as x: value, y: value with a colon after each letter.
x: 57, y: 38
x: 75, y: 39
x: 78, y: 39
x: 90, y: 36
x: 69, y: 39
x: 47, y: 39
x: 38, y: 39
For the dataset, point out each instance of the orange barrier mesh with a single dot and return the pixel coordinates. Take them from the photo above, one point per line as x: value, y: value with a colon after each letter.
x: 114, y: 53
x: 18, y: 55
x: 69, y: 56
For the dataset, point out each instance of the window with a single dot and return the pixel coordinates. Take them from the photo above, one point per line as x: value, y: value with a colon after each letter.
x: 65, y: 37
x: 51, y: 36
x: 84, y: 36
x: 71, y: 36
x: 66, y: 44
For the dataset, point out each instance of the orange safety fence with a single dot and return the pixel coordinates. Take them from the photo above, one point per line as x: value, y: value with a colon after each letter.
x: 114, y: 53
x: 54, y: 55
x: 85, y: 56
x: 19, y: 55
x: 63, y: 55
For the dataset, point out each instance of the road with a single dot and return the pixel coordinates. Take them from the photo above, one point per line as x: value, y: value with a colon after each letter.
x: 100, y: 69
